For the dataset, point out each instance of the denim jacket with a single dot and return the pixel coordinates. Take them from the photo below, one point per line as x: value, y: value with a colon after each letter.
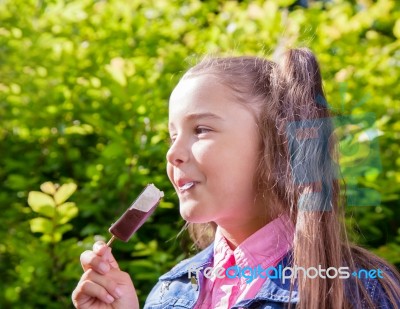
x: 175, y: 290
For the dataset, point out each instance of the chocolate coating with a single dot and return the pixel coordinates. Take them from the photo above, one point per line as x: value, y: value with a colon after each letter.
x: 134, y: 217
x: 129, y: 223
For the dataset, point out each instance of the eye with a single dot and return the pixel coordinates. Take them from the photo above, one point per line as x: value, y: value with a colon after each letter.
x: 172, y: 139
x: 201, y: 130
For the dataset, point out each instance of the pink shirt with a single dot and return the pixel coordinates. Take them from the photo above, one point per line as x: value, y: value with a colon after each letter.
x: 266, y: 247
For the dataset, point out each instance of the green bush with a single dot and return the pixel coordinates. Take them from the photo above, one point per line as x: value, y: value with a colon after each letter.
x: 84, y: 94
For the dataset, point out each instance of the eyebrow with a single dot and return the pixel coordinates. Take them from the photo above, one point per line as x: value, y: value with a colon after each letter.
x: 197, y: 116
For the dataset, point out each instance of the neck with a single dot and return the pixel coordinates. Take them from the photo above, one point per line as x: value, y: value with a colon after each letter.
x: 235, y: 234
x: 238, y: 230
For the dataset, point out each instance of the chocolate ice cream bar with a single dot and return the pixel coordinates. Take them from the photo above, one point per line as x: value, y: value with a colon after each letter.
x: 134, y: 217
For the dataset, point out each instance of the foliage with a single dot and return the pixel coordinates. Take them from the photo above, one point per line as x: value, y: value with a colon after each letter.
x: 39, y: 259
x: 83, y: 99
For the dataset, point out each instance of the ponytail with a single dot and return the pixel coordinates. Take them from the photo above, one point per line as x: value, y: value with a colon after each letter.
x: 306, y: 129
x: 313, y: 188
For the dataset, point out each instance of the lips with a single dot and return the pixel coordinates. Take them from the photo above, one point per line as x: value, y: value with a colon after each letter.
x: 185, y: 184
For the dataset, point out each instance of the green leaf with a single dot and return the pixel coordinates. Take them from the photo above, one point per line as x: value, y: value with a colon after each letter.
x: 116, y: 70
x: 67, y: 211
x: 396, y: 29
x: 47, y: 238
x: 48, y: 187
x: 168, y: 205
x: 41, y: 203
x: 64, y: 228
x: 64, y: 192
x: 16, y: 182
x: 285, y: 3
x: 41, y: 225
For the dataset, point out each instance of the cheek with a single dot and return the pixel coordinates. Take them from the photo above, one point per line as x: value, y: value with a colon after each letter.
x: 203, y: 152
x: 170, y: 172
x: 237, y: 170
x: 225, y: 165
x: 209, y: 158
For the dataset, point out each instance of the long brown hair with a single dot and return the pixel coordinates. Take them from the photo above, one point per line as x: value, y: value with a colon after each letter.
x: 297, y: 169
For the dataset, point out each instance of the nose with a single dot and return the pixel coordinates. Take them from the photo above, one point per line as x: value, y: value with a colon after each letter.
x: 178, y: 153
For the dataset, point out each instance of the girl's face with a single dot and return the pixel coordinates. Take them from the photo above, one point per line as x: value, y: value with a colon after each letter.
x: 213, y: 156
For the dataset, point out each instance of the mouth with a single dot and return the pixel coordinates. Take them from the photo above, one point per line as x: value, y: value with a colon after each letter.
x: 187, y: 186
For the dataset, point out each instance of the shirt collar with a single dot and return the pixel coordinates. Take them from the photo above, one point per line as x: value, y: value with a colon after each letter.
x: 264, y: 247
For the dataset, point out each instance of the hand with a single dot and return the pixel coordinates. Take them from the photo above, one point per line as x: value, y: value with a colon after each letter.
x: 103, y: 285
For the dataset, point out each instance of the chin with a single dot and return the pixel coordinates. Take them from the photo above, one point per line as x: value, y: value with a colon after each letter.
x: 193, y: 215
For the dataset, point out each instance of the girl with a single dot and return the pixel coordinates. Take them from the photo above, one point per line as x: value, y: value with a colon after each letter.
x: 252, y: 162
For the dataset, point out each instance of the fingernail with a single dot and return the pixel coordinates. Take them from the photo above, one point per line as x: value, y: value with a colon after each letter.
x: 98, y: 245
x: 110, y: 299
x: 118, y: 292
x: 103, y: 267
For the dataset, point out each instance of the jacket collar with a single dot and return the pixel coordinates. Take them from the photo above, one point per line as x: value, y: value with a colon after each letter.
x: 203, y: 259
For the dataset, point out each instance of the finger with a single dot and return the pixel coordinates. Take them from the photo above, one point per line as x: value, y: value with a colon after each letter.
x: 90, y: 260
x: 108, y: 256
x: 100, y: 248
x: 105, y: 282
x: 87, y: 290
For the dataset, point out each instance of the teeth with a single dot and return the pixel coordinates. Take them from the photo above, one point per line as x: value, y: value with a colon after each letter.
x: 187, y: 186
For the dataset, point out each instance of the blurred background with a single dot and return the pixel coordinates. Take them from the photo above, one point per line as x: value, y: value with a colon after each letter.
x: 84, y: 89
